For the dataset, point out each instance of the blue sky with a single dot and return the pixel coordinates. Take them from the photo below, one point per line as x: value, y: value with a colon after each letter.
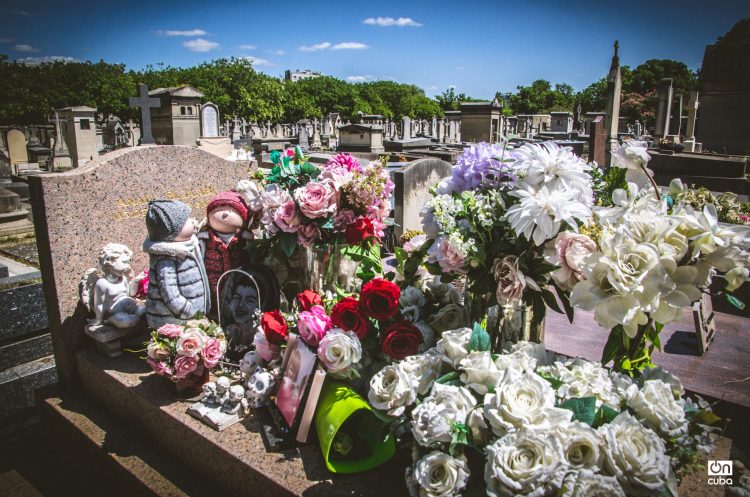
x: 478, y: 47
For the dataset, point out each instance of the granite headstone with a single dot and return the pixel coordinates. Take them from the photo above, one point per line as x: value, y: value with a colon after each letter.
x: 412, y: 189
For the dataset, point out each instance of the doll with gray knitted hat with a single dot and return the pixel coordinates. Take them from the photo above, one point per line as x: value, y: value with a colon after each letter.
x: 178, y: 286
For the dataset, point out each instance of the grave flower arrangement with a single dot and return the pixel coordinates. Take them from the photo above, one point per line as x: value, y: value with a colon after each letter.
x: 182, y: 352
x: 509, y: 221
x: 650, y: 260
x: 527, y: 423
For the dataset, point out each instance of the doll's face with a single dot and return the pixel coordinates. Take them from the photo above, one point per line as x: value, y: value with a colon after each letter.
x: 187, y: 231
x: 225, y: 219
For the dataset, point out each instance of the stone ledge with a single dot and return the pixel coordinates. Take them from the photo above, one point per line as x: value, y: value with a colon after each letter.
x: 238, y: 459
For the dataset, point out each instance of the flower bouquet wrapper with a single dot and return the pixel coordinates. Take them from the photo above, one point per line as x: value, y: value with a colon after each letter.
x: 353, y: 436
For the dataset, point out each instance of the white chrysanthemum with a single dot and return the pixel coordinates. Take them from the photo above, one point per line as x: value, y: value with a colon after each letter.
x: 656, y: 405
x: 635, y: 455
x: 433, y: 419
x: 554, y: 167
x: 539, y: 215
x: 438, y: 475
x: 525, y: 400
x: 392, y: 390
x: 524, y: 463
x: 586, y: 483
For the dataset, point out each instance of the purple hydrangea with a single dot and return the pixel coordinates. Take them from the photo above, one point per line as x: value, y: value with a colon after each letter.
x: 480, y: 165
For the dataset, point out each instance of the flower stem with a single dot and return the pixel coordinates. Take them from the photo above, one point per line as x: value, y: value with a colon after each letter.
x: 653, y: 183
x: 635, y: 342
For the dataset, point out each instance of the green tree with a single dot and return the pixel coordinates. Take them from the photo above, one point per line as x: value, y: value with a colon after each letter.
x: 646, y: 77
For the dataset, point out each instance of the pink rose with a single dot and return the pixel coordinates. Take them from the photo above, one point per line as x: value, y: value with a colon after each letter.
x: 157, y: 352
x: 184, y: 365
x: 170, y: 330
x: 191, y: 343
x: 316, y: 199
x: 313, y: 325
x: 415, y: 243
x: 212, y: 352
x: 568, y: 250
x: 160, y: 368
x: 271, y: 199
x: 307, y: 234
x: 450, y: 258
x: 342, y: 219
x: 266, y: 350
x: 287, y: 217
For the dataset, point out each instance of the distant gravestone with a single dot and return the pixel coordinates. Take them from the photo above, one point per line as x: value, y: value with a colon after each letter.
x: 598, y: 141
x: 663, y: 107
x: 71, y: 227
x: 209, y: 120
x: 145, y: 103
x: 304, y: 137
x: 17, y: 147
x: 406, y: 128
x: 412, y: 189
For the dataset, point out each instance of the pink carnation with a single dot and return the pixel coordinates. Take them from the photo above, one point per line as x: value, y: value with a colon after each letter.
x: 212, y: 352
x: 313, y: 325
x: 184, y: 365
x: 346, y: 161
x: 160, y: 368
x: 307, y: 234
x: 170, y: 330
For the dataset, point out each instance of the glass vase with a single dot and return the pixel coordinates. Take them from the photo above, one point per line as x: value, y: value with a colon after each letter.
x: 324, y: 269
x: 506, y: 324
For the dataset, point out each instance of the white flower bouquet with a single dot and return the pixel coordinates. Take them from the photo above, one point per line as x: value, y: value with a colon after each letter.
x: 530, y: 424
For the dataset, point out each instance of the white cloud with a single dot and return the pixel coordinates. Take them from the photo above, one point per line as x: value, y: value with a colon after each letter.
x: 35, y: 61
x: 248, y: 47
x: 177, y: 32
x: 24, y: 47
x: 349, y: 45
x: 257, y: 61
x: 356, y: 79
x: 200, y: 45
x: 390, y: 21
x: 314, y: 48
x: 277, y: 52
x: 432, y: 88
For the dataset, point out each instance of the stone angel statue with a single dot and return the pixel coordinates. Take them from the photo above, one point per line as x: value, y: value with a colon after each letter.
x: 106, y: 292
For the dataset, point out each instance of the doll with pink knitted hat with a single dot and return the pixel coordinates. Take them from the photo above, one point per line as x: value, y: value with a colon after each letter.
x: 223, y: 241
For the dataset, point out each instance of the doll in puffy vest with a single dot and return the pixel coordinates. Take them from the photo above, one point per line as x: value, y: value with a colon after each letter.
x: 223, y: 242
x: 178, y: 284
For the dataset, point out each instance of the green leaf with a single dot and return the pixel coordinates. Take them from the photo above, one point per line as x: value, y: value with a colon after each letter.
x: 307, y: 168
x: 275, y: 157
x: 584, y: 408
x: 565, y: 299
x: 612, y: 345
x: 459, y: 436
x: 555, y: 382
x: 328, y: 224
x: 288, y: 243
x: 453, y: 375
x: 551, y: 301
x: 480, y: 339
x: 706, y: 417
x: 604, y: 415
x: 652, y: 334
x: 735, y: 302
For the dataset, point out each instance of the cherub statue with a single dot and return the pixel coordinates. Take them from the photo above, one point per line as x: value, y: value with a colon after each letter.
x: 209, y: 394
x: 236, y: 402
x: 105, y: 291
x: 222, y: 390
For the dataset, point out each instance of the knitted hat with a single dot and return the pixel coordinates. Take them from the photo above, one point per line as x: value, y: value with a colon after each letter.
x: 230, y: 199
x: 165, y: 219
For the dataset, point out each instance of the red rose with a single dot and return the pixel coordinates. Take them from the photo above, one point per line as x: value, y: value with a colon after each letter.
x: 347, y: 316
x: 274, y: 327
x: 379, y: 299
x: 359, y: 231
x: 401, y: 339
x: 307, y: 299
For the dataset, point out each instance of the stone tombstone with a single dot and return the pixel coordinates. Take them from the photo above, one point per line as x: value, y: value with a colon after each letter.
x: 598, y: 141
x: 412, y: 189
x: 17, y: 147
x: 663, y: 107
x: 304, y: 137
x: 406, y: 128
x: 209, y: 120
x: 77, y: 212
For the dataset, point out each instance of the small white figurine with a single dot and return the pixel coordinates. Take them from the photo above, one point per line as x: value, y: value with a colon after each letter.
x: 221, y: 405
x: 209, y: 393
x: 105, y: 291
x: 236, y: 402
x: 259, y: 388
x: 222, y: 390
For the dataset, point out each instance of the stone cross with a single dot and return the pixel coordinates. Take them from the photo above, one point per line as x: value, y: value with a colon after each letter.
x: 663, y: 107
x: 145, y: 103
x: 236, y: 129
x: 59, y: 141
x: 614, y: 90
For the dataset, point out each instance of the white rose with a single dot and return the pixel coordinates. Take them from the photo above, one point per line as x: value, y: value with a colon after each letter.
x: 655, y: 404
x: 478, y: 372
x: 736, y: 277
x: 586, y: 483
x: 525, y: 400
x: 411, y: 296
x: 250, y: 191
x: 582, y: 446
x: 425, y: 367
x: 659, y: 373
x: 480, y: 432
x: 438, y: 475
x: 453, y: 345
x: 535, y: 351
x: 411, y: 313
x: 635, y: 455
x: 582, y: 378
x: 392, y: 389
x: 433, y: 419
x: 620, y: 385
x: 524, y: 463
x: 449, y: 317
x: 191, y: 342
x: 444, y: 293
x: 338, y: 350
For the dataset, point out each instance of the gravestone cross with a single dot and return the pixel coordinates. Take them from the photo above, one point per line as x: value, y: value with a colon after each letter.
x: 236, y: 129
x: 145, y: 103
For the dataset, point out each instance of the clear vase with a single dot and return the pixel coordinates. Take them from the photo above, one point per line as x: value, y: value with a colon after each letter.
x: 506, y: 324
x: 323, y: 270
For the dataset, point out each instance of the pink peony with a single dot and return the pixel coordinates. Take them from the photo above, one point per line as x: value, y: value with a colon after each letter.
x: 345, y: 161
x: 447, y: 255
x: 316, y: 200
x: 287, y: 217
x: 170, y: 330
x: 159, y: 367
x: 266, y: 350
x: 184, y: 365
x: 313, y: 325
x: 342, y: 219
x: 212, y: 352
x: 191, y: 343
x: 307, y: 234
x: 568, y: 250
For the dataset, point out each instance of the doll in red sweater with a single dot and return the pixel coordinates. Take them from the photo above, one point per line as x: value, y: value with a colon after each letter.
x: 223, y: 243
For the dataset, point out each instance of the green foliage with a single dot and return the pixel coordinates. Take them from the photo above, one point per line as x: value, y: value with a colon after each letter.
x: 604, y: 415
x: 584, y: 409
x: 541, y: 98
x: 480, y: 339
x: 448, y: 100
